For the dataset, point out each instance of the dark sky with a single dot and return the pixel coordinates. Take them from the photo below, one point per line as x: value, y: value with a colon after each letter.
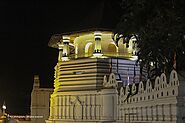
x: 25, y: 29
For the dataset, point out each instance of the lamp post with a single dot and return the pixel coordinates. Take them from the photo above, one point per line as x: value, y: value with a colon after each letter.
x: 4, y: 109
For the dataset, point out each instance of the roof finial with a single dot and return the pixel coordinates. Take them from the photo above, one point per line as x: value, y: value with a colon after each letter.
x: 36, y: 83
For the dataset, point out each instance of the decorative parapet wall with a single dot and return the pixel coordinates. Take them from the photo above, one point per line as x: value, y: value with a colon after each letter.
x: 111, y: 82
x: 152, y: 102
x: 160, y: 88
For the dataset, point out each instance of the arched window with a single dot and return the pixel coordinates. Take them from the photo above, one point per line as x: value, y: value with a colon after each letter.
x: 140, y: 98
x: 112, y: 49
x: 148, y: 86
x: 173, y: 92
x: 88, y: 49
x: 174, y: 78
x: 161, y: 93
x: 157, y: 83
x: 141, y: 88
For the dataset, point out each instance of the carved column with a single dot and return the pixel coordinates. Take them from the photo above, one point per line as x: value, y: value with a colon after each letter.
x: 97, y: 48
x: 51, y: 109
x: 60, y: 48
x: 59, y: 107
x: 66, y: 51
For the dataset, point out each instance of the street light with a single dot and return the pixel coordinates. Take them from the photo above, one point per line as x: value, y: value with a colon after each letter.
x: 4, y: 108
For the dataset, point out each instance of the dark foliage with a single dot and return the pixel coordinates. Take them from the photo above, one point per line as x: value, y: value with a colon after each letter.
x: 159, y: 29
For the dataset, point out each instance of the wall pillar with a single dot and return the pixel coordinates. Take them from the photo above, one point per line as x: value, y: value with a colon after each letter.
x: 97, y: 48
x: 60, y: 48
x: 66, y: 50
x: 109, y: 104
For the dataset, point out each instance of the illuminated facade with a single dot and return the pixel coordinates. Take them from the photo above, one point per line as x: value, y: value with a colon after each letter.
x: 96, y: 81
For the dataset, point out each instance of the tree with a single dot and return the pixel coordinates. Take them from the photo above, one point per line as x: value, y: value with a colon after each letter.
x: 159, y: 29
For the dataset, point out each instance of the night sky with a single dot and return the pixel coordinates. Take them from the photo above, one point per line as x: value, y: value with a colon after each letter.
x: 25, y: 29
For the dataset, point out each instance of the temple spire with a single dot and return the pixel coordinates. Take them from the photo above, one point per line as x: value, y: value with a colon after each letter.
x: 36, y: 83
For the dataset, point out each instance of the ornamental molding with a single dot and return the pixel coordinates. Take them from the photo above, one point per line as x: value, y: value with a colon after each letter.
x: 110, y: 82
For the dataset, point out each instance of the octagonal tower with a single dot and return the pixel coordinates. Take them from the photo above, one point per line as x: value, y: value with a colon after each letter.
x: 84, y: 59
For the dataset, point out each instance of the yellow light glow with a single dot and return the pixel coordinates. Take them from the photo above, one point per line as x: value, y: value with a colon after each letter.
x: 98, y: 55
x: 71, y: 44
x: 134, y: 58
x: 66, y: 38
x: 87, y: 49
x: 65, y: 59
x: 4, y: 107
x: 97, y: 34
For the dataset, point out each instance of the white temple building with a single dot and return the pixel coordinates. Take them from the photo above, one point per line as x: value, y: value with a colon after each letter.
x: 39, y: 102
x: 96, y: 81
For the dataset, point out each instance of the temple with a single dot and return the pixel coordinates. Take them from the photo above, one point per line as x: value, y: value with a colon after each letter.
x: 97, y: 81
x: 39, y: 102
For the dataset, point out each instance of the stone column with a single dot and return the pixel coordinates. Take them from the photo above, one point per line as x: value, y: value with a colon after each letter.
x: 67, y: 107
x: 97, y: 48
x: 60, y: 107
x: 60, y: 48
x: 66, y: 51
x: 56, y: 107
x: 63, y: 107
x: 51, y: 109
